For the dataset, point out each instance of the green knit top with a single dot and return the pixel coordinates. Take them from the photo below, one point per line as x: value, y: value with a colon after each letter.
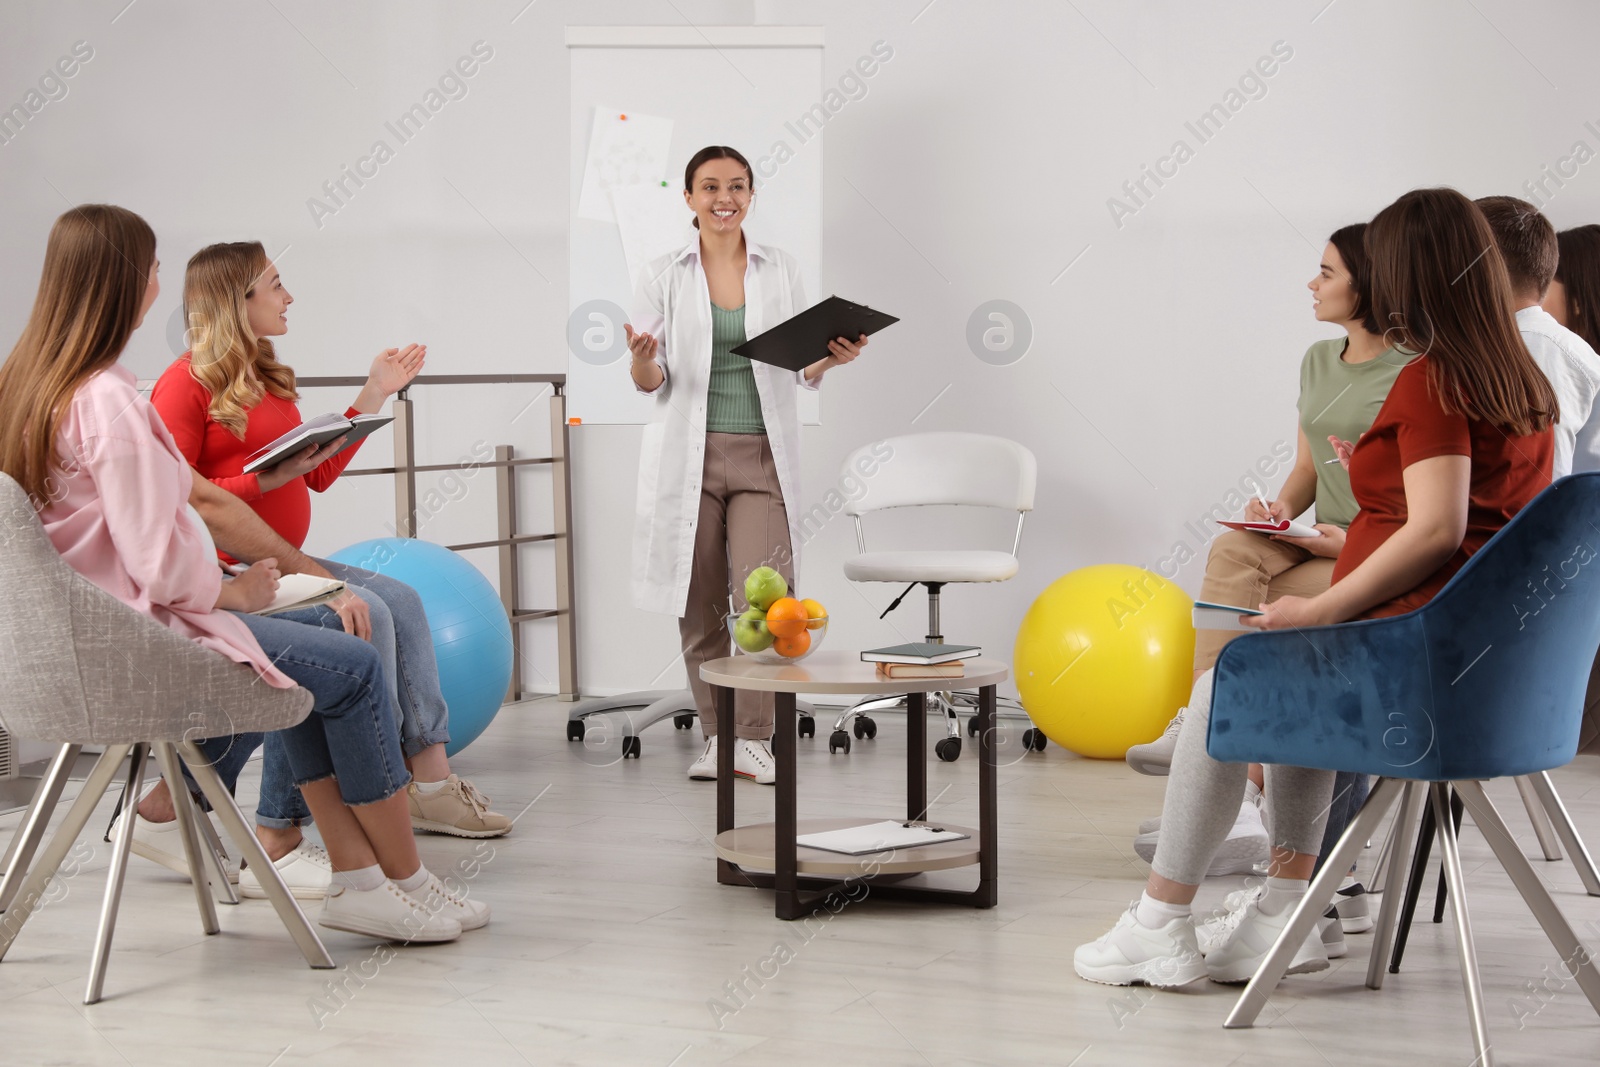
x: 733, y: 405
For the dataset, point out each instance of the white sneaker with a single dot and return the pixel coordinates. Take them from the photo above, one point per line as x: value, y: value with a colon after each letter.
x: 1246, y: 938
x: 306, y: 870
x: 385, y: 913
x: 1155, y: 758
x: 160, y: 843
x: 753, y: 760
x: 1246, y: 845
x: 704, y: 769
x: 1134, y: 954
x: 1332, y: 934
x: 1150, y: 826
x: 1354, y: 905
x: 436, y: 897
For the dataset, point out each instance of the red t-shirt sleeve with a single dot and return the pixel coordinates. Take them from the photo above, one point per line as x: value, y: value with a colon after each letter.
x: 183, y: 405
x: 325, y: 473
x: 1423, y: 429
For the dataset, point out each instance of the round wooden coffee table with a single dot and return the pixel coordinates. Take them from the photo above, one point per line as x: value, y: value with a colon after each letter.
x: 804, y: 878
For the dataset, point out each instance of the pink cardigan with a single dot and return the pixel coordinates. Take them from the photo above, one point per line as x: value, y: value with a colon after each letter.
x: 118, y: 514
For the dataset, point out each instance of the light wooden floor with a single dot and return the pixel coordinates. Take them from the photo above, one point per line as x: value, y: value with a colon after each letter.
x: 612, y: 943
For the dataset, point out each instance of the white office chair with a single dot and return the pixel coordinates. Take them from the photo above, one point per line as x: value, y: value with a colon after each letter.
x: 963, y: 469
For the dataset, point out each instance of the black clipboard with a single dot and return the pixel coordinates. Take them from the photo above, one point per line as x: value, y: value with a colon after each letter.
x: 798, y: 342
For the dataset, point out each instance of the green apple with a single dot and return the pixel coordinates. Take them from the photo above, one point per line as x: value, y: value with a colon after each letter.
x: 763, y: 587
x: 750, y: 631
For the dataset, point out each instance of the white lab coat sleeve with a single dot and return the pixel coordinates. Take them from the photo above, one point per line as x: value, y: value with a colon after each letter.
x: 648, y: 315
x: 797, y: 302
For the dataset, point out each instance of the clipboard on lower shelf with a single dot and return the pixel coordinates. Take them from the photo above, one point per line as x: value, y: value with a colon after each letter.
x: 886, y: 836
x: 1209, y: 616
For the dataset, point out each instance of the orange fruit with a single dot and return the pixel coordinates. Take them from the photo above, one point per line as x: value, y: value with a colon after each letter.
x: 787, y: 617
x: 792, y: 646
x: 816, y: 613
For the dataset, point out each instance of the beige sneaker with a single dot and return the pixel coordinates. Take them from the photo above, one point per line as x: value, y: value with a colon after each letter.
x: 457, y: 809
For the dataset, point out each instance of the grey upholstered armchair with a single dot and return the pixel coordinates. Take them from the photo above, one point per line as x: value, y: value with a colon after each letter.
x: 78, y: 667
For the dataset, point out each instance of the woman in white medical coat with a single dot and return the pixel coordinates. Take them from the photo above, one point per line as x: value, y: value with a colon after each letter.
x: 720, y: 464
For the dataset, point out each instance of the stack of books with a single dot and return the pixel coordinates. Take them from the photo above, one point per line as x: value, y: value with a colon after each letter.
x: 921, y: 659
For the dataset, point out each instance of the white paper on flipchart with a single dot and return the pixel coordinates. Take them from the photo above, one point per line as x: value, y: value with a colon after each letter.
x: 622, y: 151
x: 652, y: 221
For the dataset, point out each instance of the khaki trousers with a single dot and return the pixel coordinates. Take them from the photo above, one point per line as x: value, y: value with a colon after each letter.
x: 743, y: 525
x: 1248, y: 569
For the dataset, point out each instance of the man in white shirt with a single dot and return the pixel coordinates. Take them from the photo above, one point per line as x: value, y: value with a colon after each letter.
x: 1527, y: 243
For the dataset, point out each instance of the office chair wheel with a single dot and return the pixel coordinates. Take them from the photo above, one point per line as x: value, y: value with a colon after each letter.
x: 1033, y: 740
x: 574, y: 729
x: 806, y: 727
x: 864, y: 727
x: 840, y: 741
x: 972, y: 726
x: 630, y: 748
x: 948, y: 749
x: 684, y: 721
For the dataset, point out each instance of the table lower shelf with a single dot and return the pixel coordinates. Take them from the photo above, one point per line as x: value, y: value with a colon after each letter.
x: 751, y: 848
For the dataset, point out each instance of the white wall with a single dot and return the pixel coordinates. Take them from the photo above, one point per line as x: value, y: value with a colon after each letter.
x: 977, y: 166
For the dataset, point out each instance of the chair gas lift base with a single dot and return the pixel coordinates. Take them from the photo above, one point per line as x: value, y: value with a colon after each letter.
x: 804, y: 879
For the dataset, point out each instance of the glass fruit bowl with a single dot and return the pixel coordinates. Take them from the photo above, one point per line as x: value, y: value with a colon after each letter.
x: 752, y: 638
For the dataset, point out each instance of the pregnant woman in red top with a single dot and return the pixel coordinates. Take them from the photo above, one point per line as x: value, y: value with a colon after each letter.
x: 226, y: 399
x: 1462, y: 443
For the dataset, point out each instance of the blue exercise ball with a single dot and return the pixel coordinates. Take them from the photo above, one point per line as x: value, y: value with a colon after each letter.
x: 471, y: 634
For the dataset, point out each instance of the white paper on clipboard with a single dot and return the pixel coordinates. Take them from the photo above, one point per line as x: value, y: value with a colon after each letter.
x: 625, y: 148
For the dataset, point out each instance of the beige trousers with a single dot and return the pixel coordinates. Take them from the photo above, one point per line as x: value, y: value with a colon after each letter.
x: 1248, y: 569
x: 743, y: 525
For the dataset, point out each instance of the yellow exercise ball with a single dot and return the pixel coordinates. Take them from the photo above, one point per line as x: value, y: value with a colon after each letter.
x: 1104, y: 658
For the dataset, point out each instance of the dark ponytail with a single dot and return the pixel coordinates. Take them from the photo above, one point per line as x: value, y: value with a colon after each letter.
x: 716, y: 151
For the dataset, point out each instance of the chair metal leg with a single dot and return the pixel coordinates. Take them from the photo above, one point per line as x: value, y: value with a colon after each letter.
x: 214, y: 854
x: 1576, y: 958
x: 1550, y: 800
x: 293, y: 919
x: 31, y: 893
x: 119, y: 869
x: 1323, y: 888
x: 1401, y: 838
x: 1537, y: 816
x: 1419, y: 870
x: 1439, y: 899
x: 865, y: 706
x: 1380, y: 869
x: 25, y: 842
x: 193, y: 850
x: 1450, y: 848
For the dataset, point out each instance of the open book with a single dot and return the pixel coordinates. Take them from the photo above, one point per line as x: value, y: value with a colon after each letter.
x: 1287, y: 527
x: 317, y: 431
x: 296, y: 591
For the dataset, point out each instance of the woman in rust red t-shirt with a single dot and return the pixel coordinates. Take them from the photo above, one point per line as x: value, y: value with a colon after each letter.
x: 1461, y: 444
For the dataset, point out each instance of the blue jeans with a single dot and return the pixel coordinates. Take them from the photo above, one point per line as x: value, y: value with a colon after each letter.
x: 404, y: 641
x: 350, y: 734
x: 1349, y: 793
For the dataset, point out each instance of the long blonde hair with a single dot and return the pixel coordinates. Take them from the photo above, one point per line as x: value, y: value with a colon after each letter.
x: 96, y: 268
x: 216, y: 284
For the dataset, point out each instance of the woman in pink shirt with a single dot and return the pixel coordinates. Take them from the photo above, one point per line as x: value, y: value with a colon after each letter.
x: 112, y: 492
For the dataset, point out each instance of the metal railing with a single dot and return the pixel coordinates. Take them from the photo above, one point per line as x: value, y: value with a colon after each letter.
x: 509, y: 538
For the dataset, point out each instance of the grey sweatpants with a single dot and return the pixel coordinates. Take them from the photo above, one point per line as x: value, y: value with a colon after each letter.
x: 1203, y: 798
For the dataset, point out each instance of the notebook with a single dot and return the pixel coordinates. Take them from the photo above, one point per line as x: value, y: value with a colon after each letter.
x: 1287, y: 527
x: 884, y: 836
x: 920, y: 652
x: 296, y: 591
x: 1209, y: 616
